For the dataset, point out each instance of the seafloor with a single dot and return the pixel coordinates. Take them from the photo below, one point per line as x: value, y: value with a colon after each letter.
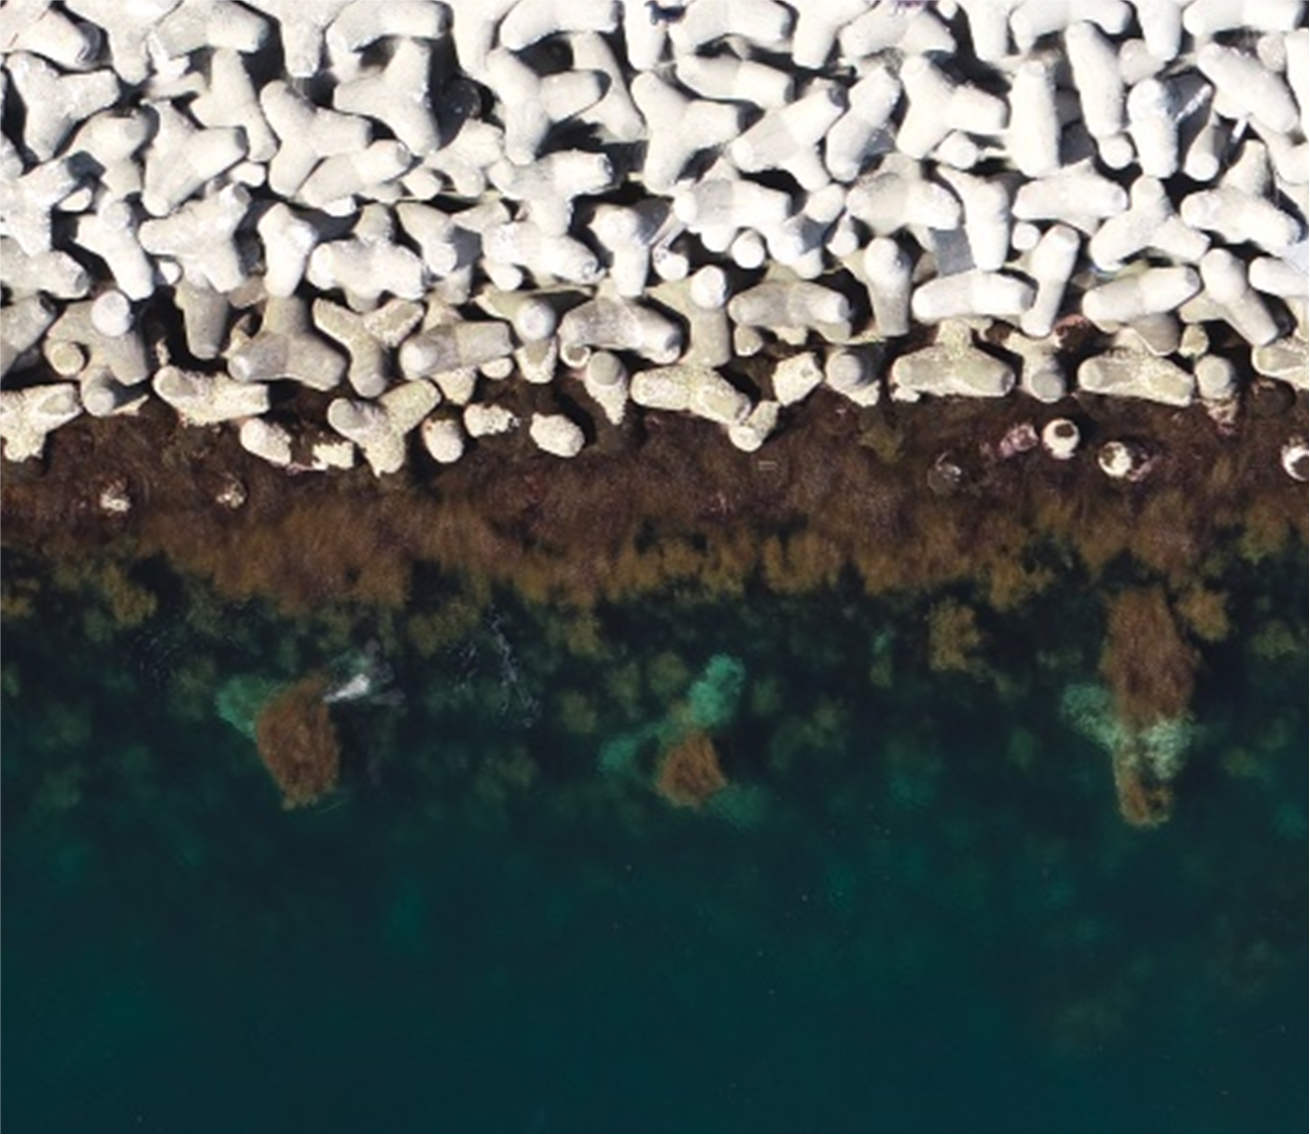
x: 668, y: 788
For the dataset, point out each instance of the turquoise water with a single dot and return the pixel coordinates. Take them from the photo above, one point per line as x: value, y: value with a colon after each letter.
x: 915, y: 908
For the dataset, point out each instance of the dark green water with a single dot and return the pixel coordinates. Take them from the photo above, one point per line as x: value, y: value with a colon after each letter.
x: 916, y: 909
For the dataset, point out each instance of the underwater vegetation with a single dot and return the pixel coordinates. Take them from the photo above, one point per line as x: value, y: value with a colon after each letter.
x: 674, y: 753
x: 298, y: 742
x: 836, y: 492
x: 1148, y: 663
x: 1150, y: 668
x: 689, y: 771
x: 839, y: 501
x: 968, y: 757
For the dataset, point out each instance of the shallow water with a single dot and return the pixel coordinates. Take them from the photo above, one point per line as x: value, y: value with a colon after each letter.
x: 915, y: 907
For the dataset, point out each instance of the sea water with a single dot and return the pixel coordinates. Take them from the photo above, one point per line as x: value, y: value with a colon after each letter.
x: 913, y: 907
